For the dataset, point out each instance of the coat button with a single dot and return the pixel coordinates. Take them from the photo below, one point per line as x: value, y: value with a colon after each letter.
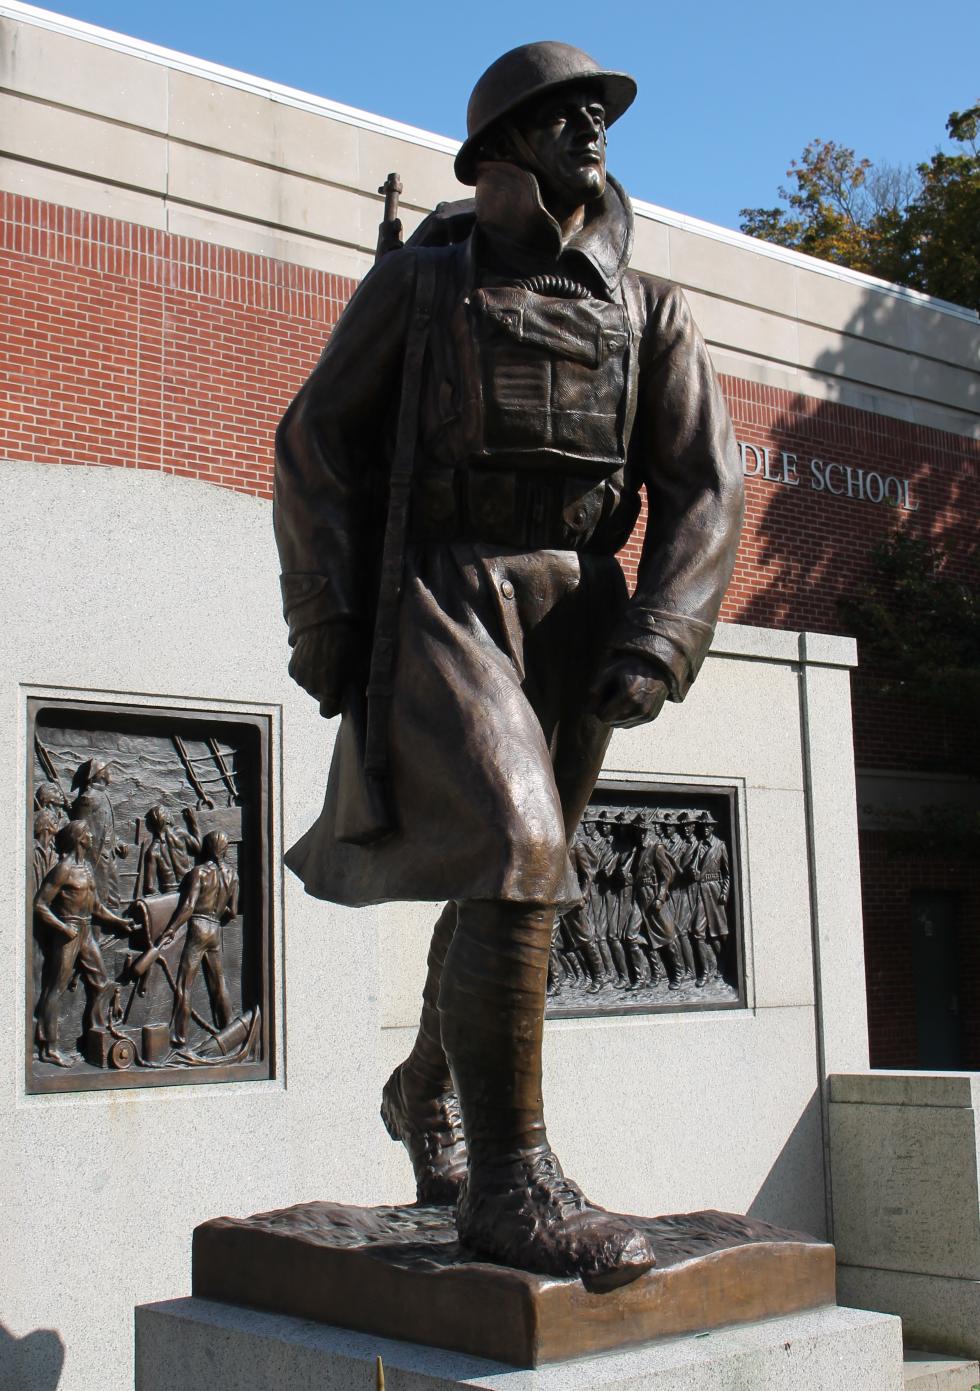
x: 507, y: 589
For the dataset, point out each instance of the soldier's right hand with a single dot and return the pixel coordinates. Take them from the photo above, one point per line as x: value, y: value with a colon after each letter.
x: 324, y: 661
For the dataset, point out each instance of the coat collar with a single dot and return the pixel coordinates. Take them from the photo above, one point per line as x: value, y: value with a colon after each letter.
x: 522, y: 234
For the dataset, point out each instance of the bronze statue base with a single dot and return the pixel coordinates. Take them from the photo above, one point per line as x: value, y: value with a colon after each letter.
x: 399, y: 1272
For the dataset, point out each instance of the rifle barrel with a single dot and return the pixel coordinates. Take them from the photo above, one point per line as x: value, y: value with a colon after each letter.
x: 391, y: 188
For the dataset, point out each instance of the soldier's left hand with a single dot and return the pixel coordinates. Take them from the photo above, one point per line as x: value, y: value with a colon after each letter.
x: 628, y: 692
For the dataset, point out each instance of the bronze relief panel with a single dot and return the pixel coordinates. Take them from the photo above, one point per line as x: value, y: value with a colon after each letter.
x: 148, y: 897
x: 659, y: 926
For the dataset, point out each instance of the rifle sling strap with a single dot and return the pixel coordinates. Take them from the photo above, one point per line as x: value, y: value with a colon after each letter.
x: 380, y: 680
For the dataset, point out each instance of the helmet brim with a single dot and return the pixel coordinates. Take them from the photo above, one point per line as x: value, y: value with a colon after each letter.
x: 618, y: 94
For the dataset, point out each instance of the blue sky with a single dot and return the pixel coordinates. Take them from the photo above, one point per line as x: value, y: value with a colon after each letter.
x: 729, y: 93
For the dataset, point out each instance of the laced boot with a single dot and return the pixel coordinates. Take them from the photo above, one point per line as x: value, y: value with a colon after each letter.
x: 641, y: 966
x: 529, y: 1215
x: 706, y: 959
x: 593, y: 961
x: 622, y: 978
x: 418, y: 1104
x: 516, y: 1207
x: 431, y: 1129
x: 680, y: 975
x: 658, y: 968
x: 687, y: 955
x: 556, y: 972
x: 608, y: 970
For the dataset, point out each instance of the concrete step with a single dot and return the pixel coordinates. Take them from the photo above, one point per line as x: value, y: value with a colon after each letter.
x: 931, y: 1371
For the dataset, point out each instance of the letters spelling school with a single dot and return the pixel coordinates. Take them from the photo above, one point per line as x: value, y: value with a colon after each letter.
x: 858, y: 484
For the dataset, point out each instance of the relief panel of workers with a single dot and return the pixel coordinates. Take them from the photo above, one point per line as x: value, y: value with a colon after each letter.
x: 137, y: 915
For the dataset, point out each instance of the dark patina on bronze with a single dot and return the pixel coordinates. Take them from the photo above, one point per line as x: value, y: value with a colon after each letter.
x: 148, y: 913
x: 453, y: 483
x: 399, y: 1272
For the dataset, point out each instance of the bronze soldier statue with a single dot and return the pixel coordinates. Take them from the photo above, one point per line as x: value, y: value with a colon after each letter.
x: 471, y: 444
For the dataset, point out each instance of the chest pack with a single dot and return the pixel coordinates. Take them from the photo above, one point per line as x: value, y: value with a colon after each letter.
x: 545, y: 381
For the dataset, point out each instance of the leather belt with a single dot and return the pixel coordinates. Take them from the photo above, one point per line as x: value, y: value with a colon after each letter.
x: 510, y: 507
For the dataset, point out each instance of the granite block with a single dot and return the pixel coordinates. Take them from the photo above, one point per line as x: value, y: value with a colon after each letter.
x: 198, y: 1343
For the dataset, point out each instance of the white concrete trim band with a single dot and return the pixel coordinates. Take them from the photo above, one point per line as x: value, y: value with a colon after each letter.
x: 349, y: 115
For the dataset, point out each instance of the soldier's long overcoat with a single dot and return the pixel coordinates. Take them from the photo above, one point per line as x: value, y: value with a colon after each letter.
x: 504, y: 621
x: 712, y: 881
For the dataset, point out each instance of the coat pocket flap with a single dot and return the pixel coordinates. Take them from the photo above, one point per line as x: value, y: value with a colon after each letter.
x: 575, y: 330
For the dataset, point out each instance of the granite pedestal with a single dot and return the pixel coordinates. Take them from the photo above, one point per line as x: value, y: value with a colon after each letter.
x: 197, y: 1343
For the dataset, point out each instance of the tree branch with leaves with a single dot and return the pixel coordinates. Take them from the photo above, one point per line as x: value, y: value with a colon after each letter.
x: 916, y: 226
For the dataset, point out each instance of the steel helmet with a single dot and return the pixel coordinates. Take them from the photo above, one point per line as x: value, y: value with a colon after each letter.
x: 531, y: 71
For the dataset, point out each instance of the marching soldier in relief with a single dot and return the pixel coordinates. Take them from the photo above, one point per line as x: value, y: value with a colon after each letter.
x: 453, y: 483
x: 711, y: 881
x: 577, y: 923
x: 619, y: 896
x: 681, y: 849
x: 653, y: 875
x: 602, y: 895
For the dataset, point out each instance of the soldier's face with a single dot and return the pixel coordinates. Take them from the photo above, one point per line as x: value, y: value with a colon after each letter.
x: 567, y: 134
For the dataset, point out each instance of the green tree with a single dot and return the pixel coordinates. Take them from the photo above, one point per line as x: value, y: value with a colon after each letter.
x: 938, y: 241
x: 918, y: 226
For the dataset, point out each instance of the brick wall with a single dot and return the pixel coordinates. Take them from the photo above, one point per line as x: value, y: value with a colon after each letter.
x: 133, y: 347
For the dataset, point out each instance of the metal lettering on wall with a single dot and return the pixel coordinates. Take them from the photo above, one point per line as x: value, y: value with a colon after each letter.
x: 148, y: 897
x: 659, y: 926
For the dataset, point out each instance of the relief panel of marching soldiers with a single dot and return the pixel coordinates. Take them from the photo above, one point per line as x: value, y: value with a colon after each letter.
x: 656, y: 886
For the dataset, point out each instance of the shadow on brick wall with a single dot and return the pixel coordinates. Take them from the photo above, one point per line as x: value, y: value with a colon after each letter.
x: 809, y: 541
x: 846, y: 479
